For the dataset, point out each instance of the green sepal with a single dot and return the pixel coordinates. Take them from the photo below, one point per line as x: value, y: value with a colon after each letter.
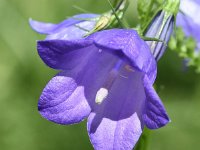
x: 148, y: 9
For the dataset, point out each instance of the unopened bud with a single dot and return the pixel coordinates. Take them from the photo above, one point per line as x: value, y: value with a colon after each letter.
x: 161, y: 28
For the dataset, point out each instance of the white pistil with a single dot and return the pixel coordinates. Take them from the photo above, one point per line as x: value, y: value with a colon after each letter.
x: 101, y: 95
x: 103, y: 92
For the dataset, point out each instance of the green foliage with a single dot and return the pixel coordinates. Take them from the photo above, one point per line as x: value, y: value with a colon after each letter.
x: 186, y: 48
x: 146, y: 11
x: 143, y: 143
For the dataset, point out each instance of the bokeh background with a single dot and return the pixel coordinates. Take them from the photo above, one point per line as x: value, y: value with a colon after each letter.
x: 23, y: 76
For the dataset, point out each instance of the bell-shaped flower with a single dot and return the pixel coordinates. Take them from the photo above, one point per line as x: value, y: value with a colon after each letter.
x: 189, y: 19
x: 106, y: 77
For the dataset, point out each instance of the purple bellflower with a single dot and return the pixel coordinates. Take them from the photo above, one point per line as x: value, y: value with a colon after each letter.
x: 189, y: 19
x: 106, y: 77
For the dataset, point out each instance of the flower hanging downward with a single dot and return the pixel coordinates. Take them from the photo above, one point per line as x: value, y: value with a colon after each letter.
x: 107, y: 77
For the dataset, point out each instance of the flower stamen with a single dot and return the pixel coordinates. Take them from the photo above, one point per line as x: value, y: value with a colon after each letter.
x: 103, y: 92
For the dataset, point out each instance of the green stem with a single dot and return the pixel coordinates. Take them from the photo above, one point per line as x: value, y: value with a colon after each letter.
x: 120, y: 8
x: 115, y: 3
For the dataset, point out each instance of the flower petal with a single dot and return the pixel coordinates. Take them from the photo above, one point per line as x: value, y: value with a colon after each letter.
x: 55, y: 53
x: 155, y: 115
x: 49, y: 28
x: 41, y: 27
x: 129, y: 42
x: 60, y: 54
x: 73, y: 32
x: 116, y: 135
x: 189, y: 27
x: 191, y: 9
x: 63, y: 101
x: 69, y: 97
x: 190, y: 21
x: 116, y: 123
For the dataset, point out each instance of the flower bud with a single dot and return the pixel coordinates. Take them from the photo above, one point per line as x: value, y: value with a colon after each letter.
x: 161, y: 28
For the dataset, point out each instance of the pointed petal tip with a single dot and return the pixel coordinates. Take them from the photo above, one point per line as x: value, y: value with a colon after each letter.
x: 41, y: 27
x: 33, y: 24
x: 153, y: 123
x: 29, y: 19
x: 155, y: 115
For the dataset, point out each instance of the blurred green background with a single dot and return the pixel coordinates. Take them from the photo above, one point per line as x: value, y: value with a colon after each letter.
x: 23, y: 76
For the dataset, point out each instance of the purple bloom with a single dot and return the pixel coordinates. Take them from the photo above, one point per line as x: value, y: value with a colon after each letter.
x: 107, y: 77
x: 189, y: 20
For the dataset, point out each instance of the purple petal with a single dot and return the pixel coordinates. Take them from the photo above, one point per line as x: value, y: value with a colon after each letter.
x: 63, y: 101
x: 155, y: 115
x: 129, y: 42
x: 76, y: 19
x: 116, y: 123
x: 189, y: 26
x: 60, y: 54
x: 73, y: 32
x: 190, y: 21
x: 69, y: 97
x: 48, y: 28
x: 43, y: 28
x: 117, y: 135
x: 56, y: 53
x: 75, y: 27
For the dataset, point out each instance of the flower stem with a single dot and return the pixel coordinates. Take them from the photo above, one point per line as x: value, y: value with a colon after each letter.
x: 115, y: 3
